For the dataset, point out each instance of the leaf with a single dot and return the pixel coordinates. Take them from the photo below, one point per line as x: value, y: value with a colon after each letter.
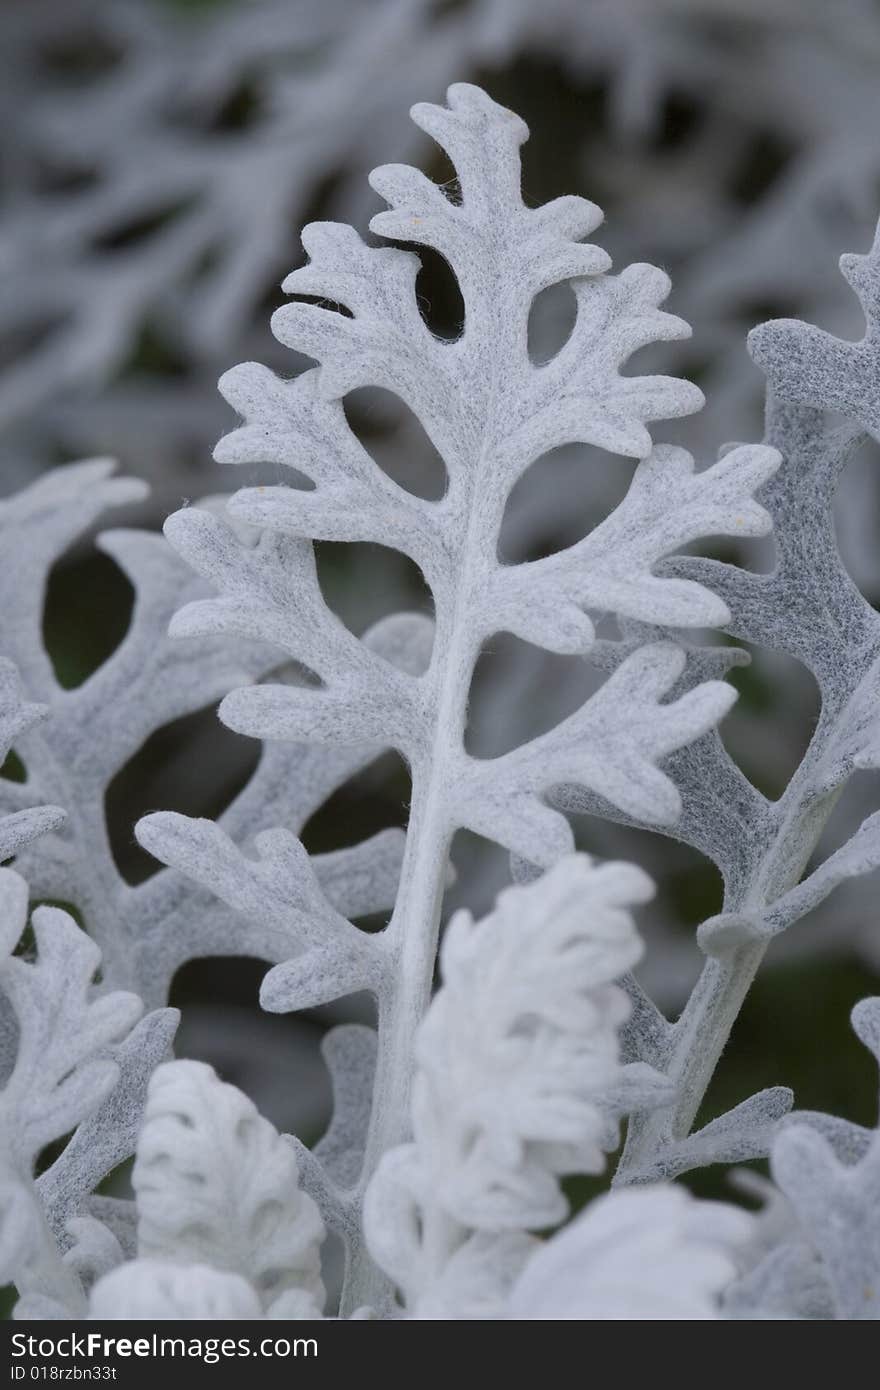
x: 94, y: 1251
x: 216, y: 1185
x: 860, y: 855
x: 16, y: 716
x: 478, y: 1278
x: 62, y: 1072
x: 150, y: 1290
x: 490, y: 412
x: 517, y: 1061
x: 279, y: 886
x: 509, y: 1071
x: 594, y: 748
x: 146, y: 932
x: 611, y: 569
x: 807, y: 365
x: 837, y: 1200
x: 300, y: 423
x: 808, y: 607
x: 745, y: 1132
x: 331, y: 1171
x: 654, y: 1254
x: 350, y: 1054
x: 108, y: 1136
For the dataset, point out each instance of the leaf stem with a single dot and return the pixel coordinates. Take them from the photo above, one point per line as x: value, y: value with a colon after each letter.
x: 701, y: 1033
x: 415, y: 924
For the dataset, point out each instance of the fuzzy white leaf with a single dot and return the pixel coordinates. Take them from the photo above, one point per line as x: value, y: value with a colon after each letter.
x: 810, y: 366
x: 837, y: 1203
x: 152, y: 1290
x: 145, y: 932
x: 478, y: 1278
x: 516, y: 1057
x: 647, y: 1255
x: 808, y: 608
x: 107, y: 1137
x: 18, y: 828
x: 62, y: 1071
x: 301, y: 422
x: 95, y: 1249
x: 747, y: 1131
x: 502, y: 797
x: 216, y: 1185
x: 519, y: 1042
x: 490, y: 412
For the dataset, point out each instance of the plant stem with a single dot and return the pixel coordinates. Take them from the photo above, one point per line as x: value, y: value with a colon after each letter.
x: 702, y: 1031
x: 418, y: 910
x: 475, y: 513
x: 701, y: 1035
x: 414, y: 928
